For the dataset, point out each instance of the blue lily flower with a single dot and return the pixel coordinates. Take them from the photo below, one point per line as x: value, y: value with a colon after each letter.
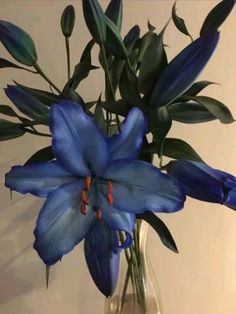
x: 94, y: 188
x: 205, y: 183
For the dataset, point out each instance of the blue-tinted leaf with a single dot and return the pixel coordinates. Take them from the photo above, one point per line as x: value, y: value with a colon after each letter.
x: 68, y: 20
x: 179, y: 22
x: 8, y: 64
x: 95, y: 20
x: 99, y: 116
x: 158, y: 225
x: 27, y: 104
x: 115, y: 12
x: 217, y: 16
x: 18, y: 43
x: 43, y: 96
x: 190, y: 112
x: 183, y: 70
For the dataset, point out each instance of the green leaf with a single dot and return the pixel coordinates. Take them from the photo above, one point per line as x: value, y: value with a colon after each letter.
x: 120, y: 107
x: 179, y: 22
x: 68, y: 20
x: 158, y: 225
x: 195, y: 89
x: 18, y: 43
x: 190, y: 112
x: 160, y: 122
x: 217, y: 16
x: 8, y: 64
x: 8, y: 111
x: 217, y: 108
x: 114, y: 43
x: 99, y: 116
x: 81, y: 71
x: 10, y: 130
x: 86, y: 55
x: 151, y: 27
x: 174, y: 148
x: 44, y: 97
x: 144, y: 43
x: 150, y: 71
x: 95, y: 20
x: 128, y: 86
x: 114, y: 11
x: 43, y: 155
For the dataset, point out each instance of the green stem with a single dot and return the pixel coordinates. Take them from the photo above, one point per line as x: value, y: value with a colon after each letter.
x: 68, y: 55
x: 40, y: 72
x: 109, y: 85
x: 37, y: 133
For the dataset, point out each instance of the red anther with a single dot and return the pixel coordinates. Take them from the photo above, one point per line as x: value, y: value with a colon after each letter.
x: 83, y: 208
x: 88, y: 181
x: 110, y: 199
x: 83, y: 196
x: 99, y: 214
x: 110, y: 187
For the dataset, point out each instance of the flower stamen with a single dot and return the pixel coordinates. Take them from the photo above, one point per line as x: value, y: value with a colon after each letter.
x: 109, y: 193
x: 88, y: 182
x: 99, y: 214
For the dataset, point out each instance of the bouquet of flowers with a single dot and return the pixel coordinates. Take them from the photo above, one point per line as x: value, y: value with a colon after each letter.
x: 98, y: 176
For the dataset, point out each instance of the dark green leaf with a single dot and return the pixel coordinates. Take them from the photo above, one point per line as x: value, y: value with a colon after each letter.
x: 18, y: 43
x: 158, y: 225
x: 195, y: 89
x: 10, y: 130
x: 8, y: 64
x: 81, y: 71
x: 120, y: 107
x: 174, y: 148
x: 151, y: 70
x: 129, y: 88
x: 99, y: 116
x: 190, y: 112
x: 131, y: 37
x: 86, y: 55
x: 215, y: 107
x: 43, y: 155
x: 115, y: 12
x: 151, y: 27
x: 179, y: 22
x: 114, y: 43
x: 44, y: 97
x: 160, y: 122
x: 217, y: 16
x: 95, y: 20
x: 8, y: 111
x: 68, y: 20
x: 144, y: 43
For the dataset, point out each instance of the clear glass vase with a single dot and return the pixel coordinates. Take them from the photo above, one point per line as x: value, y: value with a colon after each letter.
x: 137, y: 290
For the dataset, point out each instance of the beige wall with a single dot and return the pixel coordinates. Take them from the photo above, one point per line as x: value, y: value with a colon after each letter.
x: 202, y: 278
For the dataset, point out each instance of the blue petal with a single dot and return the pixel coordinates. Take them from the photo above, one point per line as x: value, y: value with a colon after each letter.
x: 37, y: 179
x: 102, y: 261
x: 77, y: 142
x: 183, y: 70
x: 139, y: 186
x: 127, y: 144
x: 60, y: 225
x: 199, y: 180
x: 27, y: 104
x: 231, y: 198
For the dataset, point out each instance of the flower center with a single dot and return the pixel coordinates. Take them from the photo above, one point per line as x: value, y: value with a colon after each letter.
x: 84, y: 197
